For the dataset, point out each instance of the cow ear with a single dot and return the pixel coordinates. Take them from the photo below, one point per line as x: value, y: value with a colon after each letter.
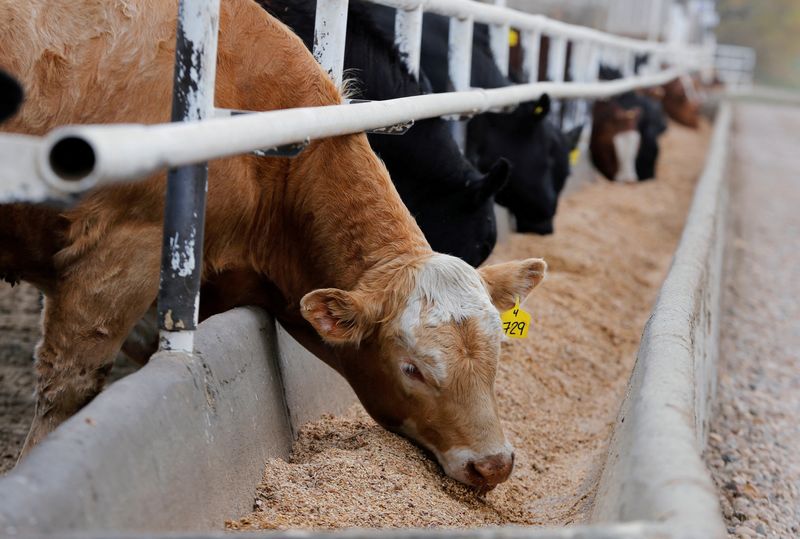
x: 511, y: 280
x: 541, y: 107
x: 340, y: 317
x: 495, y: 179
x: 538, y: 109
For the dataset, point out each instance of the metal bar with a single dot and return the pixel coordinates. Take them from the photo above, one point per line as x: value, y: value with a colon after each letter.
x: 184, y: 209
x: 579, y: 70
x: 531, y: 42
x: 330, y: 33
x: 491, y: 14
x: 556, y: 66
x: 498, y: 41
x: 459, y: 60
x: 656, y: 15
x: 126, y: 152
x: 408, y: 37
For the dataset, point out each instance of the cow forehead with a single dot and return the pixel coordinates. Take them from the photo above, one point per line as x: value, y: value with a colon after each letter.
x: 446, y: 290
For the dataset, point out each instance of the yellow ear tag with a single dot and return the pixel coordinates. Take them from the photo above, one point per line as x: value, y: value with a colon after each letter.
x: 516, y: 322
x: 513, y: 38
x: 574, y: 155
x: 538, y: 110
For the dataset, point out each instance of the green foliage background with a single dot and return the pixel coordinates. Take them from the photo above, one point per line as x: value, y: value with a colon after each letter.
x: 772, y: 27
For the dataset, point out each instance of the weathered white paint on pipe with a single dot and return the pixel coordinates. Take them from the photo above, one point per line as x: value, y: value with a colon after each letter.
x: 408, y: 37
x: 330, y: 33
x: 130, y: 151
x: 184, y: 207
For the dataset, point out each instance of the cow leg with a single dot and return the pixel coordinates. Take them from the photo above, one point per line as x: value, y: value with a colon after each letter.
x: 85, y: 321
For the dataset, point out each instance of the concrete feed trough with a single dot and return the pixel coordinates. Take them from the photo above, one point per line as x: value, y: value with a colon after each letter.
x: 180, y: 445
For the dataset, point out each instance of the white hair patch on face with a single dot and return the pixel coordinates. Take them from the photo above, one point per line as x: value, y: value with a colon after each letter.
x: 626, y: 145
x: 447, y: 289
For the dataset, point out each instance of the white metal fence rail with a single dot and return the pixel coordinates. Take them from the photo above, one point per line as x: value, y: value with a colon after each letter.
x: 735, y: 67
x: 76, y: 158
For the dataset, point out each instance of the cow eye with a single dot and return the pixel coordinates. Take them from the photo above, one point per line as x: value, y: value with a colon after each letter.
x: 411, y: 370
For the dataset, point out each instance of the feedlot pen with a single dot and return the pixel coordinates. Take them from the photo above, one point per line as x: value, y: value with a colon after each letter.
x: 559, y: 391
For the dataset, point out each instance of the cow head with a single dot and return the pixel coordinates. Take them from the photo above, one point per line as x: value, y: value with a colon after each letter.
x: 615, y: 140
x: 426, y: 337
x: 457, y: 216
x: 539, y: 162
x: 679, y: 103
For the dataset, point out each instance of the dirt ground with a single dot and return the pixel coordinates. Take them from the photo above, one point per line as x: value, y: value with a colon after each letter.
x: 559, y: 391
x: 754, y: 432
x: 19, y: 331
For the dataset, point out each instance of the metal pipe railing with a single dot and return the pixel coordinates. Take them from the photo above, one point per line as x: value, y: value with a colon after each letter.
x: 126, y: 152
x: 498, y: 15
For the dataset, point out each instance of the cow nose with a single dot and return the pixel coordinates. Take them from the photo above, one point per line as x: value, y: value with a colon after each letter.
x: 494, y: 469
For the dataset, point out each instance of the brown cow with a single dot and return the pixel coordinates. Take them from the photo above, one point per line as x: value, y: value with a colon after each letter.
x: 681, y: 102
x: 615, y: 140
x: 341, y: 261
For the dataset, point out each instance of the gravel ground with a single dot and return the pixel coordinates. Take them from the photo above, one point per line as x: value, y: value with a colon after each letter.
x: 558, y: 391
x: 754, y: 445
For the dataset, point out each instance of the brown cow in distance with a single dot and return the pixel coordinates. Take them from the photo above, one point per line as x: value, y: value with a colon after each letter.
x: 341, y: 260
x: 680, y: 104
x: 615, y: 140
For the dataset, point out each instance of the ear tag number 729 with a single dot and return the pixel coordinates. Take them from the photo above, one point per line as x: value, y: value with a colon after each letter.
x: 516, y: 322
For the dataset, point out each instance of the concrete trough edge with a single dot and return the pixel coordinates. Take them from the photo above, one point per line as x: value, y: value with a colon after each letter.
x: 654, y: 470
x: 179, y: 444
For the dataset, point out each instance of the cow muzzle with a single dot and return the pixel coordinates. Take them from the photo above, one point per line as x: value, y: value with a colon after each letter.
x: 482, y: 472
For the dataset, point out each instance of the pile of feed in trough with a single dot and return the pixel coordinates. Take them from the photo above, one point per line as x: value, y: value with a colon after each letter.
x: 19, y: 331
x: 559, y: 391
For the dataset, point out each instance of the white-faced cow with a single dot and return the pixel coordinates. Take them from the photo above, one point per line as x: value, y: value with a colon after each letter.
x: 343, y: 262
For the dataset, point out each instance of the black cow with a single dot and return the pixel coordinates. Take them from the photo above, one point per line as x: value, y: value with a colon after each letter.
x: 651, y: 124
x: 451, y: 200
x: 10, y: 96
x: 540, y: 167
x: 538, y: 152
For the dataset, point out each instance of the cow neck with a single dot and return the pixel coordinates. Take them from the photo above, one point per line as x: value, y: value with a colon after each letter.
x: 346, y: 217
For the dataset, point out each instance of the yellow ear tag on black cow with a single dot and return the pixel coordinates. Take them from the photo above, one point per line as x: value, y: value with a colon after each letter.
x: 516, y: 322
x: 513, y: 38
x: 574, y: 155
x: 538, y: 110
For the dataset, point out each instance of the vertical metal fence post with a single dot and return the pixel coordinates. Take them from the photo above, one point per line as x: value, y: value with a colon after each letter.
x: 531, y: 42
x: 581, y: 51
x: 460, y: 67
x: 408, y: 37
x: 498, y: 41
x: 556, y: 65
x: 330, y: 36
x: 184, y: 210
